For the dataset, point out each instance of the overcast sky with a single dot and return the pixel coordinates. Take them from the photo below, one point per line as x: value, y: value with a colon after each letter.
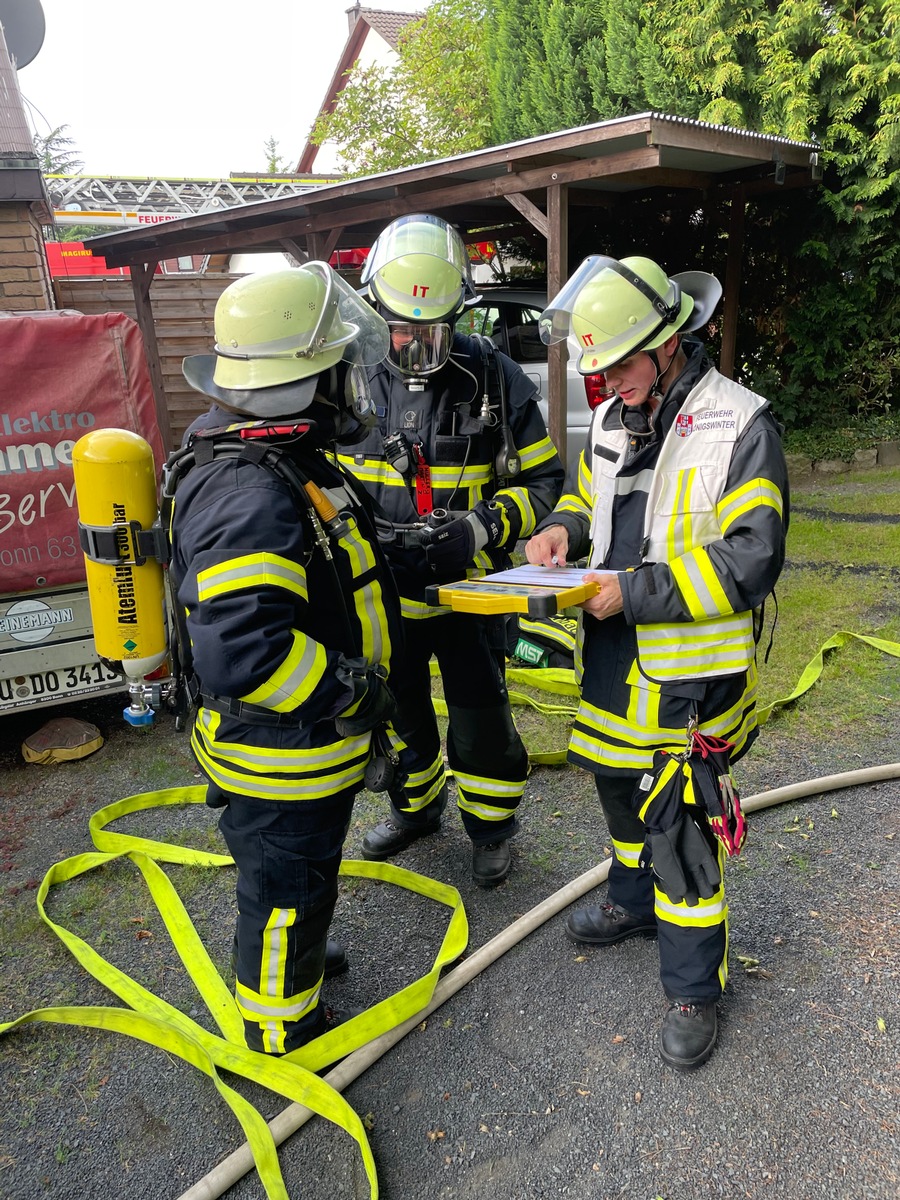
x: 186, y: 88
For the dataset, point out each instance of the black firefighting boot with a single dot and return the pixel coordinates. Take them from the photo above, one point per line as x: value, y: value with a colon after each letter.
x: 688, y: 1034
x: 336, y: 961
x: 402, y: 829
x: 490, y: 863
x: 604, y: 924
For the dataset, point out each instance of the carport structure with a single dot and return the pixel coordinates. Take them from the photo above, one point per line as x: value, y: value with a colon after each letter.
x: 542, y: 184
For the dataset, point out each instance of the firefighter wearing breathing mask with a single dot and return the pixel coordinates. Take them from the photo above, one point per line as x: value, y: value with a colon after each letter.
x: 459, y: 439
x: 682, y: 495
x: 291, y: 621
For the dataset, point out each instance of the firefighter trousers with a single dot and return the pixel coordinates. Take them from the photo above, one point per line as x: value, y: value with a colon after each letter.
x: 484, y: 750
x: 693, y: 941
x: 288, y: 855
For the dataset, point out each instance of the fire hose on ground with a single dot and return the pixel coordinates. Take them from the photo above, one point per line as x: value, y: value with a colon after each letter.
x: 290, y: 1119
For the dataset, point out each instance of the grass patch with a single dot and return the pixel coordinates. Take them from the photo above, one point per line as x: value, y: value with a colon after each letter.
x: 856, y: 492
x: 857, y: 681
x: 849, y: 544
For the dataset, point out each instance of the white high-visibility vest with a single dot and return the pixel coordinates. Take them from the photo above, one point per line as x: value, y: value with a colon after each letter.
x: 684, y: 490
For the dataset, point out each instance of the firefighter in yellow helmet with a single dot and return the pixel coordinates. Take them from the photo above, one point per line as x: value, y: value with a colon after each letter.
x: 291, y: 621
x: 458, y: 434
x: 682, y: 496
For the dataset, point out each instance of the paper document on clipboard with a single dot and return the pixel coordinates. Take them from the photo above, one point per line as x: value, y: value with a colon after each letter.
x: 536, y: 591
x: 545, y: 576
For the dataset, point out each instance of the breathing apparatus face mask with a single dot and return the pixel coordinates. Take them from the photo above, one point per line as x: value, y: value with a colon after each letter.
x: 344, y: 404
x: 419, y: 350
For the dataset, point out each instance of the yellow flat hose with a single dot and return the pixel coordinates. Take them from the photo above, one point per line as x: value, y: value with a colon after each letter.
x: 237, y: 1164
x: 364, y: 1039
x: 151, y: 1019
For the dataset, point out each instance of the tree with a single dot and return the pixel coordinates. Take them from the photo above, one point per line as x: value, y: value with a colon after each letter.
x: 275, y: 164
x: 432, y: 104
x: 56, y: 152
x: 826, y: 73
x: 558, y: 64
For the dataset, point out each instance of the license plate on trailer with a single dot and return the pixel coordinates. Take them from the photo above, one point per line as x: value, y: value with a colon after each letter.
x: 54, y: 687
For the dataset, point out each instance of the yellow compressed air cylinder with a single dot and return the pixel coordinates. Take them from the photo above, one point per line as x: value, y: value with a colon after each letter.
x: 115, y: 484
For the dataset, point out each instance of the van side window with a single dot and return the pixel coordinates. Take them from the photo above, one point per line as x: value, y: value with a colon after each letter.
x: 525, y: 343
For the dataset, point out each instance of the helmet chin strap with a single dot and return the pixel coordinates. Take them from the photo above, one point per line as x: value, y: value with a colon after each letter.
x: 638, y: 421
x: 655, y: 391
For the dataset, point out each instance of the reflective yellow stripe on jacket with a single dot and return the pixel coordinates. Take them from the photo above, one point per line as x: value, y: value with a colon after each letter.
x: 268, y: 773
x: 252, y: 571
x: 368, y: 600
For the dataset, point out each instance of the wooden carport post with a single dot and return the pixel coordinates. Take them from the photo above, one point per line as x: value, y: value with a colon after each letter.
x: 557, y: 272
x: 141, y: 278
x: 732, y: 281
x: 555, y: 228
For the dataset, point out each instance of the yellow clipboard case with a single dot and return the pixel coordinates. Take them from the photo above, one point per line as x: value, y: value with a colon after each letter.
x: 487, y: 596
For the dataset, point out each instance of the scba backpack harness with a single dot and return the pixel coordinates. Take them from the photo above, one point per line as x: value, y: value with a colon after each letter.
x: 253, y: 443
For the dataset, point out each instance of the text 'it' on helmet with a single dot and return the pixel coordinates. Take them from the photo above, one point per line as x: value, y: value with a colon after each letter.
x: 419, y: 276
x: 614, y: 308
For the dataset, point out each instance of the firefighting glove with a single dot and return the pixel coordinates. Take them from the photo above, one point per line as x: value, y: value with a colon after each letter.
x: 452, y: 547
x: 682, y: 861
x: 373, y: 703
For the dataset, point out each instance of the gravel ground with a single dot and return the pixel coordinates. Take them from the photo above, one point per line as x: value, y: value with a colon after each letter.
x: 540, y: 1078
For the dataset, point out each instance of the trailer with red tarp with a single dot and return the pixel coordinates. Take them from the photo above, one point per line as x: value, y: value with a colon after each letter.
x: 61, y: 374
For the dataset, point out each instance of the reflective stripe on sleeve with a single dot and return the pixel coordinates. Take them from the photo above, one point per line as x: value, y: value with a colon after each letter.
x: 699, y: 585
x: 521, y: 499
x: 295, y: 679
x: 417, y: 610
x: 570, y: 503
x: 538, y: 452
x: 252, y: 571
x: 749, y: 495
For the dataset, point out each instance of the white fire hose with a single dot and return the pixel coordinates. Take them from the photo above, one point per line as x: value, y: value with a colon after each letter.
x: 236, y: 1165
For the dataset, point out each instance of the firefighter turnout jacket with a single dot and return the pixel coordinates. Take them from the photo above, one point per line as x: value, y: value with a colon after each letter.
x: 276, y: 603
x: 270, y: 615
x: 451, y: 461
x: 694, y: 517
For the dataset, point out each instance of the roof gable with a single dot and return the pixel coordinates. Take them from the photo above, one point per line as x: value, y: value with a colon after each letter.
x: 388, y: 25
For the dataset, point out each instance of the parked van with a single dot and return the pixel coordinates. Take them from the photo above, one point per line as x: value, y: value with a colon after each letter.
x: 508, y: 315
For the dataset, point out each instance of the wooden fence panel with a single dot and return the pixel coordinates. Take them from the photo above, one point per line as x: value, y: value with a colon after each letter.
x: 183, y: 310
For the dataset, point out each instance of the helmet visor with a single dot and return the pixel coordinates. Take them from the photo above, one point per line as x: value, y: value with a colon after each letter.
x: 419, y: 233
x: 555, y: 322
x: 371, y: 340
x: 418, y: 350
x: 359, y: 396
x: 613, y: 311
